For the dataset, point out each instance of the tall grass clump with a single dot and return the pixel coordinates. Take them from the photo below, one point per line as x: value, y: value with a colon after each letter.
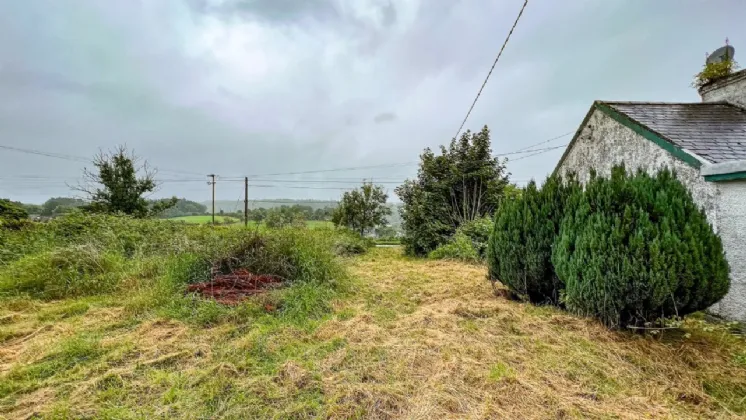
x: 636, y: 249
x: 71, y: 271
x: 520, y: 247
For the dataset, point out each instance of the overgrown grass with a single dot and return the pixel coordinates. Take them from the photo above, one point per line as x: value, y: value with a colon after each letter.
x: 396, y: 338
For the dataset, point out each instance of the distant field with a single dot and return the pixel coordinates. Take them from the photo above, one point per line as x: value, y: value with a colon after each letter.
x: 202, y: 219
x: 208, y: 219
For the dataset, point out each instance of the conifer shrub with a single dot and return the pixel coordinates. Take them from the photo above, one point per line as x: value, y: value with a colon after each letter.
x: 637, y: 249
x: 520, y: 247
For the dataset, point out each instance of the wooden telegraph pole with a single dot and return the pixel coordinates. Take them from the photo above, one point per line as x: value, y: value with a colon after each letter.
x: 246, y: 201
x: 212, y: 182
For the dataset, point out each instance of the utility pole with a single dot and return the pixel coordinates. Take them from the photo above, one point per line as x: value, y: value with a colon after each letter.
x: 246, y: 201
x: 212, y: 182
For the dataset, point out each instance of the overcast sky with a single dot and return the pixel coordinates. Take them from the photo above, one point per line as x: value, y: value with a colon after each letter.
x: 245, y: 87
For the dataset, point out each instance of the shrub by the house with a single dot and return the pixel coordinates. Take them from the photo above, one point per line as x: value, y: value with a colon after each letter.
x: 636, y: 249
x: 520, y: 247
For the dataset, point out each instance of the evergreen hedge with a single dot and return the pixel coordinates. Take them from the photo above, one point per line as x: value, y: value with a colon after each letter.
x: 520, y: 248
x: 637, y: 248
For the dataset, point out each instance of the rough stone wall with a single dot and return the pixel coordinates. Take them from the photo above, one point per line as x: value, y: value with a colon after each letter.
x: 731, y: 89
x: 732, y: 221
x: 604, y: 143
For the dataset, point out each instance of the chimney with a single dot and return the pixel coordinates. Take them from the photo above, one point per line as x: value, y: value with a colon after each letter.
x: 731, y: 88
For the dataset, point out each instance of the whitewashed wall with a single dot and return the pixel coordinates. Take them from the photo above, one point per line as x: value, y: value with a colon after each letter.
x: 732, y: 214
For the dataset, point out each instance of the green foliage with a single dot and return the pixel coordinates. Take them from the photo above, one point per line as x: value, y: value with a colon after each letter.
x: 525, y: 228
x: 459, y: 247
x: 469, y: 243
x: 478, y: 231
x: 12, y: 215
x: 362, y: 209
x: 636, y: 248
x: 714, y: 71
x: 121, y: 191
x: 351, y: 243
x: 463, y: 183
x: 283, y: 217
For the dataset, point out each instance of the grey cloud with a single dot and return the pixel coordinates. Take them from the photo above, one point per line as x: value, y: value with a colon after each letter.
x: 281, y: 11
x: 251, y: 87
x: 384, y: 117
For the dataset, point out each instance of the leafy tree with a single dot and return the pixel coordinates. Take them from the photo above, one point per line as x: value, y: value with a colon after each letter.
x: 524, y: 230
x: 116, y: 188
x: 184, y: 207
x: 56, y: 206
x: 284, y: 216
x: 362, y: 209
x: 637, y: 248
x: 465, y: 182
x: 31, y: 208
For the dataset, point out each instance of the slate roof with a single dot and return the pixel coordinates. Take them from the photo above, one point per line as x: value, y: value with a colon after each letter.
x: 715, y: 131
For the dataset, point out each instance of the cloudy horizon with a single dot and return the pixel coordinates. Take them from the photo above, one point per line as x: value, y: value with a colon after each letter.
x: 252, y: 87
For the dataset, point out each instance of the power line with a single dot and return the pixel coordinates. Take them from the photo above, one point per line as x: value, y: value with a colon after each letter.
x: 81, y: 159
x: 539, y: 152
x: 48, y: 154
x: 492, y: 68
x: 545, y: 141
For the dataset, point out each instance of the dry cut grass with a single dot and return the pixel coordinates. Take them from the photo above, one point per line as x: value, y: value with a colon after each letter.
x: 416, y: 339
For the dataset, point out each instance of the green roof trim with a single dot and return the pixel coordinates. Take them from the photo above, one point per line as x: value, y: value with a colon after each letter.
x: 726, y: 177
x: 638, y: 128
x: 649, y: 134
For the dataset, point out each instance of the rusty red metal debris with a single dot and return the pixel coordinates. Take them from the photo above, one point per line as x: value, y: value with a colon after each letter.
x: 231, y: 289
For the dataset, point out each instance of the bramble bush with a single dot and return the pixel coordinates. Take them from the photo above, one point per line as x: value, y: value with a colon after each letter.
x: 469, y: 243
x: 459, y: 247
x: 637, y: 249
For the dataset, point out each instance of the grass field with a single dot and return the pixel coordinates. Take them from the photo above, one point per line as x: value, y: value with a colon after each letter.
x: 411, y: 339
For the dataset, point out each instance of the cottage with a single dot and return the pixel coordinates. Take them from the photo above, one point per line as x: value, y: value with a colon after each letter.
x: 704, y: 142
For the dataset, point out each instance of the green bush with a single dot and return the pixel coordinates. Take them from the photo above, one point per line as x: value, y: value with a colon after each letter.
x: 77, y: 270
x: 478, y: 231
x: 459, y: 247
x: 636, y: 249
x: 12, y: 215
x: 520, y: 247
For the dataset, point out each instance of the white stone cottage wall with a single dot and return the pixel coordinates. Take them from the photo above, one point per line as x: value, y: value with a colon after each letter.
x: 604, y: 143
x: 732, y: 220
